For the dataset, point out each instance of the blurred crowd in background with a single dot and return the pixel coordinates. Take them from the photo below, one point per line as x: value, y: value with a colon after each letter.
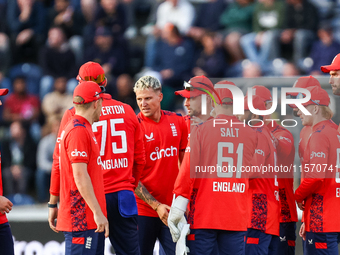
x: 44, y: 42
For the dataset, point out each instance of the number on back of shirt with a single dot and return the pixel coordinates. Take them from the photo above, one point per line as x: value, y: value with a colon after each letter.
x: 229, y: 171
x: 114, y: 133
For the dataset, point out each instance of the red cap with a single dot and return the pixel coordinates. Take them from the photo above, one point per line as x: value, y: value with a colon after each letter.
x: 262, y: 92
x: 258, y: 103
x: 332, y: 67
x: 3, y: 92
x: 319, y: 96
x: 92, y: 71
x: 305, y: 82
x: 196, y: 83
x: 89, y: 91
x: 223, y: 92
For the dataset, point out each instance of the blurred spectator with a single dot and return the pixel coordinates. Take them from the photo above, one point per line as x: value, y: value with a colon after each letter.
x: 301, y: 23
x: 262, y: 45
x: 181, y: 13
x: 125, y: 92
x: 72, y: 20
x: 323, y: 50
x: 18, y: 160
x: 289, y: 69
x: 251, y: 70
x: 109, y: 53
x: 57, y: 59
x: 174, y: 59
x: 55, y: 103
x: 237, y: 21
x: 64, y: 15
x: 19, y: 105
x: 111, y: 13
x: 4, y: 40
x: 88, y: 7
x: 26, y: 20
x: 207, y: 18
x: 211, y: 61
x: 45, y: 160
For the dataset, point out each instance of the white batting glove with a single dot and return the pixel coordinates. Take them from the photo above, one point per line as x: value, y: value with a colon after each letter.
x: 176, y: 215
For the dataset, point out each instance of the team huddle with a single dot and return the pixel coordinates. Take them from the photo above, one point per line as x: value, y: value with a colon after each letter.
x: 135, y: 179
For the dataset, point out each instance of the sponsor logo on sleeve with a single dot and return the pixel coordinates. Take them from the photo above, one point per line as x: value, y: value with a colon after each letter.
x: 77, y: 153
x: 319, y: 154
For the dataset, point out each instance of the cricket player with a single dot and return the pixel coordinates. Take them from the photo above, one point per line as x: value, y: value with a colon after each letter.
x: 305, y: 82
x: 317, y: 194
x: 6, y: 240
x: 285, y: 157
x: 120, y: 139
x: 192, y: 92
x: 166, y: 138
x: 214, y: 144
x: 263, y: 224
x: 82, y: 211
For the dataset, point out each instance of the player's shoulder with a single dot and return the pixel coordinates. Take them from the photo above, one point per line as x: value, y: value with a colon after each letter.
x: 172, y: 114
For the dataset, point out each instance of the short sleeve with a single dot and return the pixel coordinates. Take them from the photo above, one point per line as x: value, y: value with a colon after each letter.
x: 78, y: 145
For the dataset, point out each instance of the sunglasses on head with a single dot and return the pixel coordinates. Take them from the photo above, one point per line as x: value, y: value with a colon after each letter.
x: 189, y: 87
x: 100, y: 80
x: 300, y: 96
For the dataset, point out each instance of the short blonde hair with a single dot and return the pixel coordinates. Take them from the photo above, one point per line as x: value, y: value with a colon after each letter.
x: 147, y: 82
x: 326, y: 112
x: 77, y: 103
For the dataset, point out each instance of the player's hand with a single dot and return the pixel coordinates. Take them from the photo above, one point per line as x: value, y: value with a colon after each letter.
x: 302, y: 232
x: 52, y: 216
x: 176, y: 216
x: 5, y: 205
x: 102, y: 223
x: 301, y: 205
x: 163, y: 213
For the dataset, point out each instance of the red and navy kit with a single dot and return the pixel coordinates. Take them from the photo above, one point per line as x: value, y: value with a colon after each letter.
x: 264, y: 191
x: 320, y: 189
x: 121, y: 144
x: 285, y: 157
x: 223, y: 192
x: 78, y: 145
x: 3, y: 217
x: 55, y: 172
x: 164, y: 140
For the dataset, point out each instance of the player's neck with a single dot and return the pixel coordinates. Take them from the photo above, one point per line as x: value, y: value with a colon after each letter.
x: 156, y: 117
x: 317, y: 119
x: 88, y: 115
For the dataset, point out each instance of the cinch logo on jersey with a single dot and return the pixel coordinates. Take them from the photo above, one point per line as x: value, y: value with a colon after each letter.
x: 285, y: 138
x: 258, y: 151
x: 77, y: 153
x: 317, y: 155
x: 163, y: 153
x: 173, y: 129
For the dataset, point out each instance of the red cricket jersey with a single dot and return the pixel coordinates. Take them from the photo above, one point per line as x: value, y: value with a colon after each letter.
x: 320, y: 189
x: 220, y: 201
x: 264, y: 190
x: 78, y: 145
x: 163, y: 143
x: 285, y: 157
x: 55, y: 172
x: 121, y: 144
x: 3, y: 217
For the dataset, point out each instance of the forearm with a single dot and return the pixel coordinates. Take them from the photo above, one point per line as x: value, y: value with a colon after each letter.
x: 53, y: 199
x: 145, y: 195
